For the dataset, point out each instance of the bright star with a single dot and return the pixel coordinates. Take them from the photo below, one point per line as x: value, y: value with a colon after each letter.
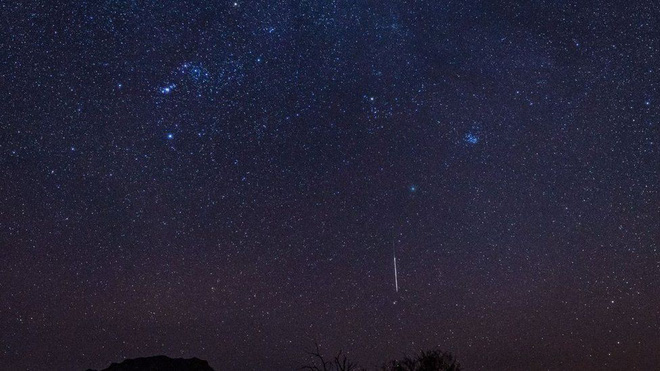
x: 170, y: 136
x: 167, y: 89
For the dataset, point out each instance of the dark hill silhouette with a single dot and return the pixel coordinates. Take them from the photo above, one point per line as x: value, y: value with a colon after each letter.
x: 160, y: 363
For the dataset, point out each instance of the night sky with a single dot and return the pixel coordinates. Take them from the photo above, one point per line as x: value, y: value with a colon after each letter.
x: 230, y: 181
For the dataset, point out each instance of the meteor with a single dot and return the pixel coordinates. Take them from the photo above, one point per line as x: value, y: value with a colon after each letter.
x: 396, y: 277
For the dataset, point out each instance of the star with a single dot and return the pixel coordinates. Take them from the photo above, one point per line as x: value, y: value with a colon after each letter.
x: 167, y: 89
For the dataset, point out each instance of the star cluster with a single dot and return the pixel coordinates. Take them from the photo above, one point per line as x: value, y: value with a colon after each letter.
x: 226, y: 180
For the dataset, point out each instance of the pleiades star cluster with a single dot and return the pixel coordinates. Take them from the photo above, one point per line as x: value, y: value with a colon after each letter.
x: 230, y: 180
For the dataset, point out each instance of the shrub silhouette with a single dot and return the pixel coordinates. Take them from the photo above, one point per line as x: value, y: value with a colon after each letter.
x: 433, y: 360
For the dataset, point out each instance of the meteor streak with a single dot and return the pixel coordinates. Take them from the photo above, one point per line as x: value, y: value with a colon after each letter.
x: 396, y: 277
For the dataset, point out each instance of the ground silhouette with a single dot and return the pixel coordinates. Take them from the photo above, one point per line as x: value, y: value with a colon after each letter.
x: 433, y: 360
x: 160, y: 363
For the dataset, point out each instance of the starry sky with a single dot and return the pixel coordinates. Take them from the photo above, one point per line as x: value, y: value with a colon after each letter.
x: 230, y: 180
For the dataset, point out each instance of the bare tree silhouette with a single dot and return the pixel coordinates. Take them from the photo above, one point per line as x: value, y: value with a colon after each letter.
x: 338, y: 363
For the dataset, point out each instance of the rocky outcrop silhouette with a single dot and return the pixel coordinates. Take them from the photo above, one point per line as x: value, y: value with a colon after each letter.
x: 160, y: 363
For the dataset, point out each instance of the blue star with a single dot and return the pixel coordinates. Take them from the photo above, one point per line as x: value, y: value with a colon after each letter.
x: 170, y: 136
x: 413, y: 188
x: 167, y: 89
